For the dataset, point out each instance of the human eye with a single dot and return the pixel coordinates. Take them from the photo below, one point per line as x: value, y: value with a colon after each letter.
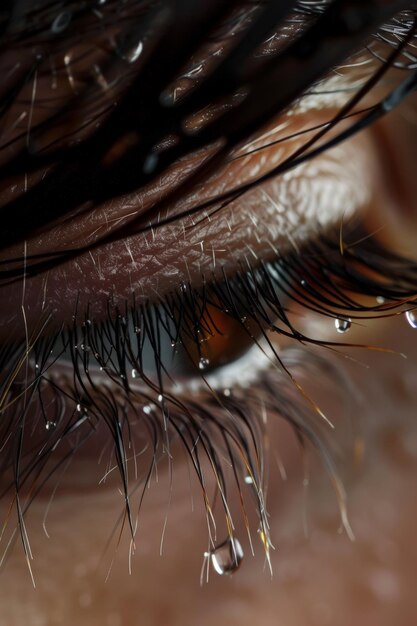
x: 208, y: 293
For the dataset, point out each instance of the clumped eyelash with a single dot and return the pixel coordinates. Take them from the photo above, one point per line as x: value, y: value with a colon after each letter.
x: 331, y: 276
x: 227, y: 430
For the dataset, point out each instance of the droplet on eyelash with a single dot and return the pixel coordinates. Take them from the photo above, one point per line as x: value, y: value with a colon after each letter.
x: 148, y: 408
x: 227, y: 557
x: 134, y: 373
x: 227, y: 392
x: 380, y: 300
x: 134, y: 53
x: 411, y: 318
x: 61, y: 22
x: 137, y: 330
x: 249, y: 480
x: 85, y: 347
x: 342, y: 325
x: 50, y: 425
x: 203, y: 363
x: 160, y: 397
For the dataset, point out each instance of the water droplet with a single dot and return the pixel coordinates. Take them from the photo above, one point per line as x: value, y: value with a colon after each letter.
x: 411, y: 318
x: 137, y: 330
x: 343, y: 325
x: 50, y: 425
x: 134, y: 53
x: 249, y: 480
x: 203, y: 363
x: 79, y: 408
x: 36, y: 366
x: 227, y: 392
x: 160, y: 397
x: 148, y: 408
x: 134, y: 373
x: 61, y: 22
x: 227, y: 557
x: 85, y: 347
x: 380, y: 300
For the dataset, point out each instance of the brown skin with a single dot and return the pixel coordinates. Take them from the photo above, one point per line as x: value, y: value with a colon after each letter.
x: 318, y: 579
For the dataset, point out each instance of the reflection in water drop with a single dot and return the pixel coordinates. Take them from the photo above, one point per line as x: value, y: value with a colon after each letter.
x: 343, y: 325
x: 50, y: 425
x: 203, y: 363
x: 227, y: 557
x: 134, y: 373
x: 411, y: 318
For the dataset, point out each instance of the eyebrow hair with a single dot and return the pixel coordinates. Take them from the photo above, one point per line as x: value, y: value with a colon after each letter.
x: 335, y: 34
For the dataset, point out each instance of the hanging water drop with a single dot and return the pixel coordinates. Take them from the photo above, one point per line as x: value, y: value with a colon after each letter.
x: 249, y: 480
x: 411, y: 318
x: 137, y: 330
x: 227, y: 557
x: 380, y: 300
x: 203, y: 363
x: 134, y: 373
x: 343, y: 324
x: 50, y: 425
x: 85, y: 347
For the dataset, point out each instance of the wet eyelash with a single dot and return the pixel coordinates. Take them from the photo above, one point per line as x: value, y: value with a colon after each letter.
x: 227, y: 429
x: 331, y: 276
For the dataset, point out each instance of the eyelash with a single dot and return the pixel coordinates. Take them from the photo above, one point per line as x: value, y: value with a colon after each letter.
x: 227, y: 427
x: 329, y: 276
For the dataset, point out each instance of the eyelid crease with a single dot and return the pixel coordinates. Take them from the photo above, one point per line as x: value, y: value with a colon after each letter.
x: 277, y: 216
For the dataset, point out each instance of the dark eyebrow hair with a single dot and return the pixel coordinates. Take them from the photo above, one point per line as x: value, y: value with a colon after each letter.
x: 76, y: 175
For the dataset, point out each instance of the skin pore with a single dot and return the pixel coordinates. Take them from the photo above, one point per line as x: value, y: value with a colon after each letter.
x: 324, y: 571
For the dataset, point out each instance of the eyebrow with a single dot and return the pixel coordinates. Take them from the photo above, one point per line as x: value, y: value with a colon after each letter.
x: 300, y: 64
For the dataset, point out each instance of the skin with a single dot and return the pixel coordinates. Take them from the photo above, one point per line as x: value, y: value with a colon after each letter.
x: 319, y: 575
